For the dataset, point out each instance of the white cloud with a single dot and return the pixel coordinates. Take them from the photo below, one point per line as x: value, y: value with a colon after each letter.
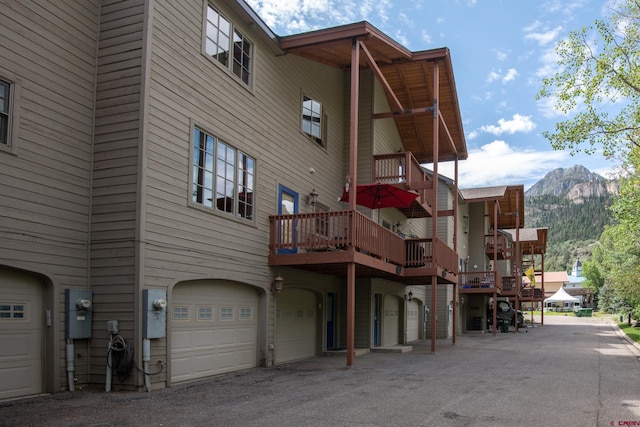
x: 493, y: 76
x: 511, y: 75
x: 497, y: 163
x: 501, y: 55
x: 547, y: 106
x: 426, y: 37
x: 518, y: 123
x: 545, y: 37
x: 294, y: 16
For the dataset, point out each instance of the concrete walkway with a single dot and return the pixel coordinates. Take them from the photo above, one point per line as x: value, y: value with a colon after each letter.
x: 569, y: 372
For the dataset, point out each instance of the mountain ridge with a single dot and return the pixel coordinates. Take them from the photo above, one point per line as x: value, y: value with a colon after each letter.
x: 574, y: 183
x: 573, y: 204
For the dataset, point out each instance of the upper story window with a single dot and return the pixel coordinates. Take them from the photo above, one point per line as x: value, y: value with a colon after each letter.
x: 5, y: 98
x: 228, y: 45
x: 223, y: 177
x: 313, y: 119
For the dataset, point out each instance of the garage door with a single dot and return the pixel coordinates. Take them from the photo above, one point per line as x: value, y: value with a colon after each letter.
x: 214, y: 329
x: 296, y: 325
x: 391, y: 320
x: 413, y: 320
x: 21, y: 334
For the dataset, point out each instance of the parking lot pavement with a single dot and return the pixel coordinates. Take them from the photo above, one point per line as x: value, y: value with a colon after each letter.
x: 571, y: 371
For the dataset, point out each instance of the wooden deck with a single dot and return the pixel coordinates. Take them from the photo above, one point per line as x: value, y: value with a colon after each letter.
x: 326, y: 242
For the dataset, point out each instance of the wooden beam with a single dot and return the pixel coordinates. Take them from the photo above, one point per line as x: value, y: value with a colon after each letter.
x: 383, y: 81
x: 409, y: 112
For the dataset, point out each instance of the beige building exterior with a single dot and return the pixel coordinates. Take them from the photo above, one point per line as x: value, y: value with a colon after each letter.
x: 171, y: 171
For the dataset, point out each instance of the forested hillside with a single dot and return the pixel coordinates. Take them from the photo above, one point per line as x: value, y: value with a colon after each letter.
x: 573, y: 204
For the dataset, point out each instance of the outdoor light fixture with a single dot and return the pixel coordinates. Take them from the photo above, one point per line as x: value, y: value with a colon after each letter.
x: 312, y: 198
x: 276, y: 285
x: 409, y: 296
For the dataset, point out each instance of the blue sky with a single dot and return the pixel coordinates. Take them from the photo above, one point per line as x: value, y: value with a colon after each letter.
x: 501, y: 50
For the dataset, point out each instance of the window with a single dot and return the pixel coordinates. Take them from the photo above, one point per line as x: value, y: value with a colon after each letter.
x: 180, y: 312
x: 5, y: 98
x: 205, y: 312
x: 226, y: 313
x: 246, y: 313
x: 12, y: 311
x: 219, y: 35
x: 313, y: 119
x: 223, y: 177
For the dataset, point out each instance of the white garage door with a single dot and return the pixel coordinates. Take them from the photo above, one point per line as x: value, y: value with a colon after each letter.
x: 391, y: 320
x: 21, y: 334
x: 413, y: 320
x: 214, y: 329
x: 296, y: 325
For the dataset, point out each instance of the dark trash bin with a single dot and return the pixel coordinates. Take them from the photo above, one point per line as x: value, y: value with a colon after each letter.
x: 504, y: 325
x: 477, y: 324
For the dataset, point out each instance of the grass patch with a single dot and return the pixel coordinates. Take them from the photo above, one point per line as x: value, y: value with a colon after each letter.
x: 630, y: 331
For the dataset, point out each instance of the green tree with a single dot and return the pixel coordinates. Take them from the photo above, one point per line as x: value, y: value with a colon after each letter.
x: 598, y: 86
x: 618, y: 254
x: 594, y: 279
x: 599, y: 79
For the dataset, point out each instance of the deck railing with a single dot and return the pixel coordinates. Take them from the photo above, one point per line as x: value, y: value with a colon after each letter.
x: 500, y: 244
x: 340, y: 230
x: 480, y: 280
x: 398, y: 168
x: 534, y: 293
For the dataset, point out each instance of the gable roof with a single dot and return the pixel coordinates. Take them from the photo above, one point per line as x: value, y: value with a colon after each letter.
x: 532, y: 240
x: 408, y: 82
x: 509, y: 198
x: 550, y: 277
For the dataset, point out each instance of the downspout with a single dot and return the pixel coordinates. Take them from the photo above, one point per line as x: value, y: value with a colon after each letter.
x: 146, y: 357
x: 70, y: 365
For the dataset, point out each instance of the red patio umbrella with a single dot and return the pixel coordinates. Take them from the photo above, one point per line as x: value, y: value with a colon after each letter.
x: 379, y: 195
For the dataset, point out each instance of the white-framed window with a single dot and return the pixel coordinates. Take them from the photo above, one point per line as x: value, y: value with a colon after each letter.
x: 205, y: 312
x: 245, y: 313
x: 228, y: 45
x: 226, y: 313
x: 313, y: 120
x: 180, y: 312
x: 223, y: 177
x: 5, y: 112
x: 13, y: 311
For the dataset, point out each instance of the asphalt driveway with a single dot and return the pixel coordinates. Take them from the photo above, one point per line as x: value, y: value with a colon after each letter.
x: 569, y: 372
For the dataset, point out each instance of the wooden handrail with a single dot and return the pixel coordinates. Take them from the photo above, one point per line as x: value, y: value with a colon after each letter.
x: 480, y: 280
x: 340, y: 230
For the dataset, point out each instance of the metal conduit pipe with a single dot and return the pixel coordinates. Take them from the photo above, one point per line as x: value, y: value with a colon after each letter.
x: 107, y: 386
x: 146, y: 357
x: 70, y: 365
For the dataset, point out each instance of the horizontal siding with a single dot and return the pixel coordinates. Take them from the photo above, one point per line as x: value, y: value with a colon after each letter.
x: 115, y: 168
x: 48, y: 50
x: 183, y: 241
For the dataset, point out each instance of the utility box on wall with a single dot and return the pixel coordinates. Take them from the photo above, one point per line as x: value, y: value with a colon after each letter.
x: 79, y: 307
x: 154, y: 313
